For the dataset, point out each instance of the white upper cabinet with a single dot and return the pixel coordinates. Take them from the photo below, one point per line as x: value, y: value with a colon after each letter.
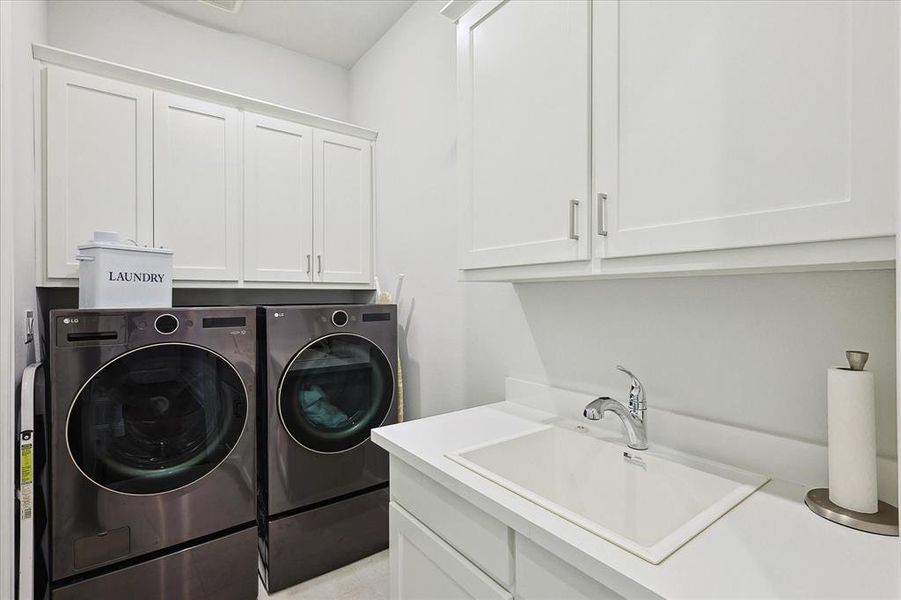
x: 197, y: 193
x: 278, y: 200
x: 245, y: 193
x: 342, y: 208
x: 744, y: 124
x: 724, y: 136
x: 523, y: 77
x: 99, y: 145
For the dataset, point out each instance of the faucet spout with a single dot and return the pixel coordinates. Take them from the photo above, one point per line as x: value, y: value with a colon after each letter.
x: 633, y: 423
x: 632, y: 417
x: 594, y: 412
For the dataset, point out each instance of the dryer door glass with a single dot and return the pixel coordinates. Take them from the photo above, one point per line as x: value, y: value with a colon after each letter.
x: 335, y: 391
x: 157, y: 419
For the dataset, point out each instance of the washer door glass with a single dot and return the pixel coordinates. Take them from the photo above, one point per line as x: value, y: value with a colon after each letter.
x: 157, y: 419
x: 335, y: 391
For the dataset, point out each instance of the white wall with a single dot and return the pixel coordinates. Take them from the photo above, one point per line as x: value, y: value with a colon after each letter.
x: 750, y: 350
x: 29, y: 18
x: 137, y: 35
x: 22, y: 22
x: 397, y: 90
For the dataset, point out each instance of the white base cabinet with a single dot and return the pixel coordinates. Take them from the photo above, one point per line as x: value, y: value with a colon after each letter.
x: 423, y: 566
x: 243, y: 199
x: 542, y: 576
x: 443, y: 547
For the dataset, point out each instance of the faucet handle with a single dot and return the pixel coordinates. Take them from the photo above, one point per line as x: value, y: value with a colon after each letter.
x: 637, y: 400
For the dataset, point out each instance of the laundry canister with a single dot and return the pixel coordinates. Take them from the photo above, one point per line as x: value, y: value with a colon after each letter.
x: 116, y: 273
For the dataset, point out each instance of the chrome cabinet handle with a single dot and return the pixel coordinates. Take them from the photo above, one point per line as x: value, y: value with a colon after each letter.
x: 573, y: 219
x: 319, y: 263
x: 309, y: 263
x: 602, y: 214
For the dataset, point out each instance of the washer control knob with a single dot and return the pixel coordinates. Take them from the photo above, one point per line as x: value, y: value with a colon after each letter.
x: 339, y: 318
x: 165, y: 324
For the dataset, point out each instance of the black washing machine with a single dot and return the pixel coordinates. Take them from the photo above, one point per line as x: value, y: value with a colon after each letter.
x: 328, y: 377
x: 152, y: 468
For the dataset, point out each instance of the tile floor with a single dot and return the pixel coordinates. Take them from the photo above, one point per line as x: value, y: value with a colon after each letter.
x: 366, y: 579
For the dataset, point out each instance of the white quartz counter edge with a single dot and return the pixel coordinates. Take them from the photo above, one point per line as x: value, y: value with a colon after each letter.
x: 769, y: 546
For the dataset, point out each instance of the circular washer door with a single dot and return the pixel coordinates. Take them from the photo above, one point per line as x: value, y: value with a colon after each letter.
x: 335, y: 391
x: 156, y: 419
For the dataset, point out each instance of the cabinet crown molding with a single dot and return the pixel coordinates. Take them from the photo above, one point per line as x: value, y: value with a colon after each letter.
x: 455, y: 9
x: 97, y: 66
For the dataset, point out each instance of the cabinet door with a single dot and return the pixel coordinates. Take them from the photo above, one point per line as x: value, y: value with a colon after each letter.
x: 540, y: 575
x: 523, y: 78
x: 99, y: 164
x: 342, y: 208
x: 278, y: 200
x: 197, y: 201
x: 425, y: 566
x: 745, y: 124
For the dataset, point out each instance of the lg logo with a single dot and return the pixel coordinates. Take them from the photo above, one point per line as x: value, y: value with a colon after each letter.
x: 240, y: 332
x: 68, y: 321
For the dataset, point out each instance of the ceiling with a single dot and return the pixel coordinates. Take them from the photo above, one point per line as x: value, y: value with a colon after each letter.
x: 338, y: 31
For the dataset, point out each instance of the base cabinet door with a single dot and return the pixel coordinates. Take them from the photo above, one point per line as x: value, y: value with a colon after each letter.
x: 99, y: 169
x: 342, y: 208
x: 523, y: 78
x: 724, y: 125
x: 278, y: 200
x: 197, y: 193
x: 425, y: 567
x: 542, y: 576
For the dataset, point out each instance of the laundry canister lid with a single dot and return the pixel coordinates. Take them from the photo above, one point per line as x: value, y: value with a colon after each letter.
x: 110, y: 239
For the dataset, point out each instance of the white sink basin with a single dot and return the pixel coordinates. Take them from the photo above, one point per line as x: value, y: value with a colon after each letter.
x: 647, y: 504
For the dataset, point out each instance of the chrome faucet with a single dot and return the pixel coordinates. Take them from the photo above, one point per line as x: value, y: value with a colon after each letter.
x: 633, y: 418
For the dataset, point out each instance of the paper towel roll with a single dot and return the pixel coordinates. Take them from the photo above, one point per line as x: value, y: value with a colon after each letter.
x: 851, y: 408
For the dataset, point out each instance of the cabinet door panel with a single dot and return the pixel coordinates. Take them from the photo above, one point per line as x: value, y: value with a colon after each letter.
x: 424, y: 566
x: 197, y: 202
x: 749, y: 123
x: 342, y: 197
x: 475, y: 534
x: 542, y: 576
x: 523, y: 77
x: 99, y: 163
x: 278, y: 200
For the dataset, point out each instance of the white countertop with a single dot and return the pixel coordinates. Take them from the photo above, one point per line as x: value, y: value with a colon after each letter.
x: 769, y: 546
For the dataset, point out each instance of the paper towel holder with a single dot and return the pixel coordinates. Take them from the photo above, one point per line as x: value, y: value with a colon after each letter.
x: 857, y: 359
x: 882, y: 522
